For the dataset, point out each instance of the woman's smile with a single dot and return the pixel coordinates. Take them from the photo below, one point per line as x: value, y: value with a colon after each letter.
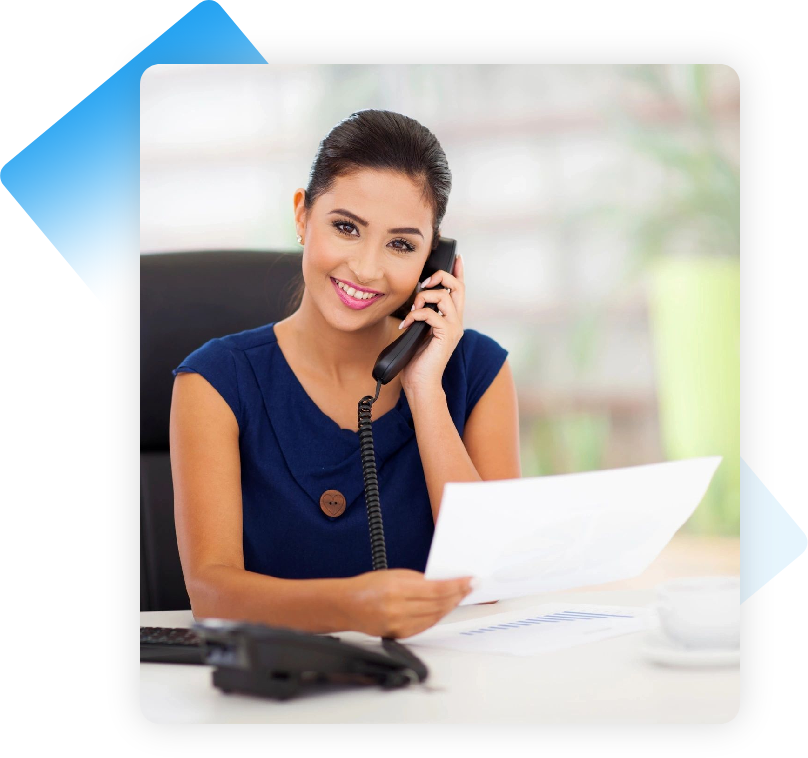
x: 353, y: 299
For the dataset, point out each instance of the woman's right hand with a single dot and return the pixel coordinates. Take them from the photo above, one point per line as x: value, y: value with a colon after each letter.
x: 401, y: 602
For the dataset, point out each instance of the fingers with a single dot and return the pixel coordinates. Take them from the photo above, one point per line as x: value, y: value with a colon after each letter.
x: 440, y: 607
x: 410, y: 603
x: 443, y: 595
x: 429, y: 589
x: 446, y: 305
x: 444, y: 278
x: 459, y: 270
x: 447, y: 291
x: 447, y: 323
x: 424, y: 314
x: 415, y: 623
x: 418, y: 618
x: 443, y: 603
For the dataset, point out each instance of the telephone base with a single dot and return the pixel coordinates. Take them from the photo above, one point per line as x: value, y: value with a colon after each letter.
x: 284, y: 685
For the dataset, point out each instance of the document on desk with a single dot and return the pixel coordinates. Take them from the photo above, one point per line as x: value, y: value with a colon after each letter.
x: 525, y: 536
x: 542, y: 629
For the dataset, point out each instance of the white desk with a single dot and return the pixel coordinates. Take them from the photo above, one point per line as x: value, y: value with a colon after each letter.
x: 602, y: 682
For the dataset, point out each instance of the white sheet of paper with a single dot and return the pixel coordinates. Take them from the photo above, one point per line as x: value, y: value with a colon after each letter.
x: 541, y: 629
x: 524, y: 536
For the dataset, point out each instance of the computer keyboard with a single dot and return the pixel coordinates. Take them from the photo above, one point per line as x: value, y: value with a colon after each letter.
x: 160, y: 644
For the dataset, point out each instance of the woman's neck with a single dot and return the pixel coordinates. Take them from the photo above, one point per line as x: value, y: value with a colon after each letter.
x: 338, y: 356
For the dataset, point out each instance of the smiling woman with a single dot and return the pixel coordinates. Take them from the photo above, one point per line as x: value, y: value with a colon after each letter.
x: 370, y: 253
x: 407, y: 163
x: 271, y: 519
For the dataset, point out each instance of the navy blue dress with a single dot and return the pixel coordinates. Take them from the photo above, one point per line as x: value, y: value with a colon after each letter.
x: 292, y: 453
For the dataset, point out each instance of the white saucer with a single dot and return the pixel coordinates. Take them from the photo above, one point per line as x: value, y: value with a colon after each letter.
x: 658, y: 648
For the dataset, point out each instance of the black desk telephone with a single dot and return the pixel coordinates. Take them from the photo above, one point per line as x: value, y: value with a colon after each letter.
x: 278, y: 663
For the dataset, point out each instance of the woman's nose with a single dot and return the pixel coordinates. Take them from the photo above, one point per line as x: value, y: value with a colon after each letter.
x: 365, y: 269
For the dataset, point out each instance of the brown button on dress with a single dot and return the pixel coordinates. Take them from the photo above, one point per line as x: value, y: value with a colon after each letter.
x: 332, y: 503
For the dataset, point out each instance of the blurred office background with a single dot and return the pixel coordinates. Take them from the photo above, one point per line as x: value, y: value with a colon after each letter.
x: 597, y: 209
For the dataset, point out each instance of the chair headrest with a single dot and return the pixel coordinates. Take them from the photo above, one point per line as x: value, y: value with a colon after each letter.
x: 187, y: 298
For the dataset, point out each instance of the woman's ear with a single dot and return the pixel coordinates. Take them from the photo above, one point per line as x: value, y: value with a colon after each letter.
x: 301, y: 214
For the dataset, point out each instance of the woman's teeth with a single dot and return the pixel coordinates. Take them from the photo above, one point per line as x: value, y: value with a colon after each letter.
x: 357, y: 294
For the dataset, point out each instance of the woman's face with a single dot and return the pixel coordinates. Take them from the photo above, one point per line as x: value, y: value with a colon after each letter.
x: 373, y: 231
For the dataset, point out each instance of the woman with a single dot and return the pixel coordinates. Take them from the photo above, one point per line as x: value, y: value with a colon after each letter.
x: 268, y: 486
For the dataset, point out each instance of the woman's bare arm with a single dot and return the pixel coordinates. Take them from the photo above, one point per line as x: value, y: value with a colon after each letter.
x: 206, y: 469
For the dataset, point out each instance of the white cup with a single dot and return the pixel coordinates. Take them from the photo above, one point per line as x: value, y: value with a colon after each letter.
x: 701, y: 612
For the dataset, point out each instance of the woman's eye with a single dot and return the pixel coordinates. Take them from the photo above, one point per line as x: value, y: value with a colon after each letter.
x: 338, y: 224
x: 407, y: 246
x: 402, y: 245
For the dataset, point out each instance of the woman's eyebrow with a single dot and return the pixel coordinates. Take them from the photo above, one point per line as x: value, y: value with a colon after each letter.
x: 397, y: 230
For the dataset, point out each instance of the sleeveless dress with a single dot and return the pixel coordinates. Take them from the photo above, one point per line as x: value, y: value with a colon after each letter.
x: 292, y: 454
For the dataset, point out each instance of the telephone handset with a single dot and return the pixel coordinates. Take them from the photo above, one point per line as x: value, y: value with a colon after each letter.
x: 279, y: 663
x: 399, y: 353
x: 390, y: 361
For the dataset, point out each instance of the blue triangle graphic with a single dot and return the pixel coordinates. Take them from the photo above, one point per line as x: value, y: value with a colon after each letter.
x: 79, y: 180
x: 770, y: 539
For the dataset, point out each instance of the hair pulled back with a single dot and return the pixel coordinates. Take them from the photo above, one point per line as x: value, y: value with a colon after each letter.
x: 379, y: 139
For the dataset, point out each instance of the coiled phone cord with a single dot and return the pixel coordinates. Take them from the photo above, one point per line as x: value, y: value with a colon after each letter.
x: 377, y: 544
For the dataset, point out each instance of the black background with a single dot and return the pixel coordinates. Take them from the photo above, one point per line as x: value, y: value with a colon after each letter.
x: 77, y: 380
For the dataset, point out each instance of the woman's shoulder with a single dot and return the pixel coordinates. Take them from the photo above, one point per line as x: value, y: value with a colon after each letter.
x: 236, y: 342
x: 221, y: 361
x: 475, y: 345
x: 248, y: 338
x: 476, y: 361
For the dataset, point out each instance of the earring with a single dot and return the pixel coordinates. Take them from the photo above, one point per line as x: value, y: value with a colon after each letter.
x: 299, y: 240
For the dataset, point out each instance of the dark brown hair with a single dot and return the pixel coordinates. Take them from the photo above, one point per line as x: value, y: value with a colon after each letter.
x: 381, y: 140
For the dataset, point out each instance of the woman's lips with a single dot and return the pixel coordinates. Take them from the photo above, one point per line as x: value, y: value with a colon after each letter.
x: 353, y: 302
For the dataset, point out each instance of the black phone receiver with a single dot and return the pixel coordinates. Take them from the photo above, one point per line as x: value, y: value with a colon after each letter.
x: 400, y: 352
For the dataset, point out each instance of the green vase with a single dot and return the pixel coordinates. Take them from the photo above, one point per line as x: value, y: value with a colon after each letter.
x: 694, y: 312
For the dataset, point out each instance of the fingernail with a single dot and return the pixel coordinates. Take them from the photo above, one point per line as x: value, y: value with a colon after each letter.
x: 475, y: 583
x: 426, y: 281
x: 412, y: 307
x: 401, y: 325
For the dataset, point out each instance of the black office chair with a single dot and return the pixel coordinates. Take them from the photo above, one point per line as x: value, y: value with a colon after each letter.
x: 185, y: 300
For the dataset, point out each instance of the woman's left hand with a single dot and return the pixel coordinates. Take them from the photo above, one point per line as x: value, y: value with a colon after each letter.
x: 425, y: 371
